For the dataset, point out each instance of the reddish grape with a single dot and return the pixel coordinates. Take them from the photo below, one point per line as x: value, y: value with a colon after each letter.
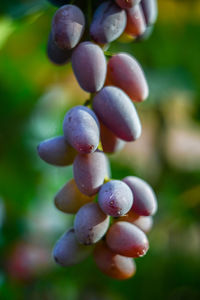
x: 69, y: 199
x: 125, y: 72
x: 115, y: 109
x: 90, y: 224
x: 127, y: 3
x: 110, y: 142
x: 81, y: 129
x: 127, y: 239
x: 145, y: 203
x: 112, y: 264
x: 56, y: 151
x: 136, y: 24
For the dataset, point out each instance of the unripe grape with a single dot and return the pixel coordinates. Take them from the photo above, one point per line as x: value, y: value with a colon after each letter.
x: 108, y: 23
x: 127, y: 239
x: 69, y: 199
x: 136, y: 24
x: 81, y: 129
x: 55, y: 54
x: 115, y: 109
x: 115, y: 198
x: 68, y: 26
x: 57, y: 151
x: 150, y: 10
x: 89, y: 66
x: 90, y: 171
x: 125, y: 72
x: 127, y: 3
x: 145, y: 203
x: 90, y: 224
x: 68, y: 251
x: 110, y: 142
x: 112, y: 264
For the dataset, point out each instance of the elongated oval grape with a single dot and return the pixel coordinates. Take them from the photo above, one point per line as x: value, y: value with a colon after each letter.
x: 69, y: 199
x: 108, y: 23
x: 114, y: 265
x: 68, y: 251
x: 126, y: 73
x: 59, y: 2
x: 150, y: 10
x: 110, y: 142
x: 55, y: 54
x: 136, y: 24
x: 115, y: 198
x: 81, y: 129
x: 56, y: 151
x: 89, y: 65
x: 127, y: 239
x: 90, y: 224
x: 145, y: 203
x: 68, y: 26
x: 144, y: 223
x: 127, y: 3
x: 118, y: 113
x: 90, y: 171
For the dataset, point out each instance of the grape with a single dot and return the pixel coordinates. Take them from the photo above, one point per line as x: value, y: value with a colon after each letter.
x: 127, y: 239
x: 115, y: 198
x: 150, y: 10
x: 117, y: 112
x: 112, y: 264
x: 144, y: 223
x: 81, y: 129
x: 125, y: 72
x: 90, y: 224
x: 145, y: 203
x: 130, y: 217
x: 127, y: 3
x: 146, y: 34
x: 90, y: 171
x: 110, y: 142
x: 59, y: 2
x: 136, y: 24
x: 68, y: 26
x: 69, y: 199
x: 108, y: 23
x: 56, y: 55
x: 68, y: 251
x: 89, y: 65
x: 56, y: 151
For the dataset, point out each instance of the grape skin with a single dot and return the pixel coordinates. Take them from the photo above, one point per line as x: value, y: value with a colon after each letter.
x: 127, y: 239
x: 127, y: 3
x: 89, y: 66
x: 145, y: 223
x: 136, y: 24
x: 114, y: 108
x: 145, y: 203
x: 90, y: 224
x: 69, y: 199
x: 115, y: 198
x: 150, y: 10
x: 126, y: 73
x: 90, y: 171
x: 109, y: 22
x: 68, y: 26
x: 81, y: 129
x: 110, y: 142
x: 68, y: 251
x: 56, y: 151
x: 114, y: 265
x: 56, y: 55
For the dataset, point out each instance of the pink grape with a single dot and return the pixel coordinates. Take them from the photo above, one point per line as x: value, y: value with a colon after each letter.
x: 136, y: 24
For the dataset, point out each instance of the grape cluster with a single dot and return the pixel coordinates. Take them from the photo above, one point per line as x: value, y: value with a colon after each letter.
x: 112, y: 217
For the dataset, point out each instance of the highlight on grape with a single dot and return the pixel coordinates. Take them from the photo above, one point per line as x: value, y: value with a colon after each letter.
x: 112, y: 217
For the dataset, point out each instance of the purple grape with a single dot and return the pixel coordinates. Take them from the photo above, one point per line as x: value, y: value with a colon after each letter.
x: 127, y: 3
x: 90, y: 224
x: 56, y: 55
x: 136, y: 24
x: 110, y: 142
x: 145, y: 203
x: 68, y: 26
x: 115, y: 109
x: 56, y: 151
x: 89, y: 65
x: 68, y: 251
x: 108, y: 23
x: 90, y: 171
x: 115, y: 198
x: 150, y: 10
x: 81, y: 129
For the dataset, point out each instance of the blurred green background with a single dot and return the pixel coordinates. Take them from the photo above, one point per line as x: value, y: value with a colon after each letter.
x: 35, y: 96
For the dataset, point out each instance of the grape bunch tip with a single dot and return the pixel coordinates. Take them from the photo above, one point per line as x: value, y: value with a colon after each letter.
x: 113, y: 229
